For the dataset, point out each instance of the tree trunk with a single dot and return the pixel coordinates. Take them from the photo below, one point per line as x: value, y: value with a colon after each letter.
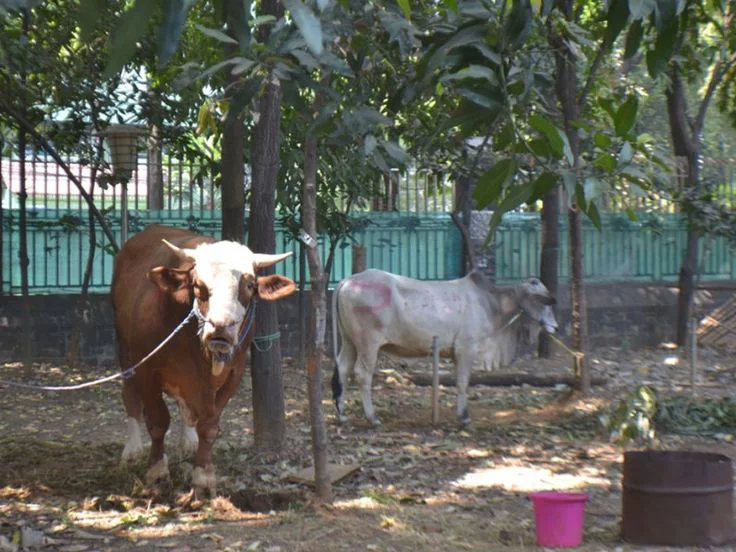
x: 549, y: 262
x: 686, y: 146
x: 268, y: 398
x: 566, y: 83
x: 358, y: 258
x: 23, y: 242
x: 317, y: 322
x: 155, y: 173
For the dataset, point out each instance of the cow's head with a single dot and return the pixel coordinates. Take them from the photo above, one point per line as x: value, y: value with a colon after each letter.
x: 536, y: 303
x: 222, y: 278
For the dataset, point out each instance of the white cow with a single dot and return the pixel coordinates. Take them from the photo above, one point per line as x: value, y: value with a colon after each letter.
x: 376, y: 310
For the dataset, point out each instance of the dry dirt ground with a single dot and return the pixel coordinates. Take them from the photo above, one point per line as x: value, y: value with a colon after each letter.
x: 419, y: 487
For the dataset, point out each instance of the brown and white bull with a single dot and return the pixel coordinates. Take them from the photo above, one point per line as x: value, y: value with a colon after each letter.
x: 378, y: 311
x: 160, y: 274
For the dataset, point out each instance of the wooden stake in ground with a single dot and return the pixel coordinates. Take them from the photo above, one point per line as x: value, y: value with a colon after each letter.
x: 435, y: 380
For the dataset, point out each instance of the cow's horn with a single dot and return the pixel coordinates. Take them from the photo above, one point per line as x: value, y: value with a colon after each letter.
x: 183, y: 254
x: 263, y: 260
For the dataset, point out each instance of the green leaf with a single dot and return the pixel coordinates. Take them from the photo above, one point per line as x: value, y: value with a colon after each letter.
x: 130, y: 28
x: 543, y: 184
x: 473, y: 72
x: 451, y: 5
x: 404, y: 5
x: 395, y: 151
x: 518, y: 25
x: 217, y: 34
x: 593, y: 188
x: 549, y: 131
x: 602, y: 140
x: 664, y: 48
x: 516, y: 196
x: 241, y: 65
x: 490, y: 54
x: 594, y: 215
x: 626, y: 154
x: 322, y: 4
x: 369, y: 144
x: 618, y: 15
x: 626, y: 115
x: 463, y: 37
x: 308, y: 24
x: 175, y: 16
x: 641, y: 8
x: 605, y: 161
x: 491, y: 183
x: 479, y: 98
x: 631, y: 214
x: 90, y: 12
x: 633, y: 39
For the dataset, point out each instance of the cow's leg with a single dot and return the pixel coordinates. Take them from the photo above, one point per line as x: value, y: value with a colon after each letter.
x: 364, y: 366
x: 204, y: 479
x: 345, y: 360
x: 134, y: 410
x: 463, y: 366
x: 157, y: 421
x: 189, y: 438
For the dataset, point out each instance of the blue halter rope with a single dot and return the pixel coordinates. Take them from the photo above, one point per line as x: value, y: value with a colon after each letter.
x: 250, y: 315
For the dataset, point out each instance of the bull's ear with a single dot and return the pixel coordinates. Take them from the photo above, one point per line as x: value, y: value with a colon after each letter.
x: 274, y: 286
x: 169, y: 279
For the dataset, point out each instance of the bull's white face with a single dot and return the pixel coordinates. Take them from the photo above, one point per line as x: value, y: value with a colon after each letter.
x: 224, y: 284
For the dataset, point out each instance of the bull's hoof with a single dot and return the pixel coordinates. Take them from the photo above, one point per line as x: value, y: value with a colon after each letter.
x: 158, y: 473
x: 342, y: 419
x: 375, y: 422
x: 204, y: 482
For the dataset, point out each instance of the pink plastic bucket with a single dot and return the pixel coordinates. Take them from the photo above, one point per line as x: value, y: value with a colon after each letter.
x: 559, y: 518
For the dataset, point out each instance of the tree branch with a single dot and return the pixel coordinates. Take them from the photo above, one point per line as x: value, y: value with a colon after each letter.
x: 44, y: 144
x: 591, y: 75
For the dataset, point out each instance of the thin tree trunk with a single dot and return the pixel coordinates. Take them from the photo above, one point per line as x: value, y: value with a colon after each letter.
x: 268, y: 397
x: 23, y: 245
x: 567, y: 95
x: 233, y: 179
x: 549, y: 262
x: 155, y: 173
x: 317, y: 322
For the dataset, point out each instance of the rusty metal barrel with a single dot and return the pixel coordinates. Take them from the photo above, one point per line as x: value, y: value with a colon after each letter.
x: 677, y: 498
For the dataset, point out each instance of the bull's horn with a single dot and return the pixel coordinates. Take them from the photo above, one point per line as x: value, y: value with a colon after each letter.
x: 183, y: 254
x: 263, y: 260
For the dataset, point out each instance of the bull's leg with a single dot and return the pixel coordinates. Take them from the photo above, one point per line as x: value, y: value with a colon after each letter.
x: 157, y: 421
x: 345, y: 360
x: 189, y: 438
x: 463, y: 366
x: 134, y: 410
x: 204, y: 479
x: 364, y: 367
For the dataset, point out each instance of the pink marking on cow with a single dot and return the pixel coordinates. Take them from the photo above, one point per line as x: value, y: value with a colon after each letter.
x: 382, y: 293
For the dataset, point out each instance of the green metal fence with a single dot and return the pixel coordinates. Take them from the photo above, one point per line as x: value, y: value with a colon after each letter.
x: 426, y: 246
x: 646, y: 250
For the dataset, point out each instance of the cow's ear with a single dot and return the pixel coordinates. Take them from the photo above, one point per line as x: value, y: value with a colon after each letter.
x: 169, y: 279
x: 274, y: 286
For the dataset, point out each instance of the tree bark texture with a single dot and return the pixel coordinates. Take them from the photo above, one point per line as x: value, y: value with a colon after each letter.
x: 686, y: 147
x: 155, y: 173
x: 23, y: 241
x: 566, y: 83
x: 317, y: 323
x: 549, y: 261
x: 268, y: 397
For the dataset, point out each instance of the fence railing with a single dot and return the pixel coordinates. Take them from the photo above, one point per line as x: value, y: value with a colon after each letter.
x: 649, y: 249
x: 425, y: 246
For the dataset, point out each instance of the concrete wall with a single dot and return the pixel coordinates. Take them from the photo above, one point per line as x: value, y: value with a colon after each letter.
x: 620, y: 314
